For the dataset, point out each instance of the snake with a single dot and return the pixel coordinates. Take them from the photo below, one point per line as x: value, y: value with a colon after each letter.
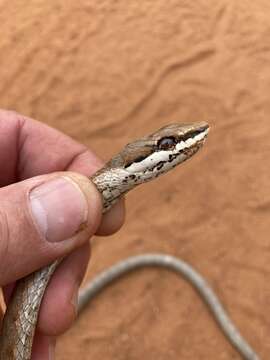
x: 139, y: 161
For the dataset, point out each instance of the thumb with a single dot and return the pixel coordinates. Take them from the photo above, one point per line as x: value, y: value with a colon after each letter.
x: 44, y: 218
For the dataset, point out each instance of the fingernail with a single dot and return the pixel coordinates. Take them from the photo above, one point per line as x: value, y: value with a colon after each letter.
x: 59, y: 208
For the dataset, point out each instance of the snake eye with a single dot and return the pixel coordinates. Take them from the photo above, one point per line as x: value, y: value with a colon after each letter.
x: 166, y: 143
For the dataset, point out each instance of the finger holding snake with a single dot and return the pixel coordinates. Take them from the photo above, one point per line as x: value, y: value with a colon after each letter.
x: 27, y: 240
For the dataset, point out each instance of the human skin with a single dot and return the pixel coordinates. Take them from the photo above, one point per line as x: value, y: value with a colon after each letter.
x: 33, y: 155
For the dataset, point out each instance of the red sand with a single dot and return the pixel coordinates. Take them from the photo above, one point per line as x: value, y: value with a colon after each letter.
x: 106, y: 72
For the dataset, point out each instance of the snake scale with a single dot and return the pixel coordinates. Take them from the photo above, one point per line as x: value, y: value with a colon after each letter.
x: 139, y: 162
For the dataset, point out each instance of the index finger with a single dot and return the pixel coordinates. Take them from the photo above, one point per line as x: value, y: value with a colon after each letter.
x: 34, y: 148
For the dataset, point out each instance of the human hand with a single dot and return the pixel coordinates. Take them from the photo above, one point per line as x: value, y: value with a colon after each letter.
x: 42, y: 211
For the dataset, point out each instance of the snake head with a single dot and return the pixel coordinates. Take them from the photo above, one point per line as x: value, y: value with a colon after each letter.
x: 161, y: 151
x: 147, y: 158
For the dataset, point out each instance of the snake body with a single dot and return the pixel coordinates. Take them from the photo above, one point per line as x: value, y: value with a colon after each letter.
x: 138, y: 162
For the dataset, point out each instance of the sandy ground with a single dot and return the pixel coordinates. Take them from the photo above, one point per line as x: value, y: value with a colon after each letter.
x: 108, y: 71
